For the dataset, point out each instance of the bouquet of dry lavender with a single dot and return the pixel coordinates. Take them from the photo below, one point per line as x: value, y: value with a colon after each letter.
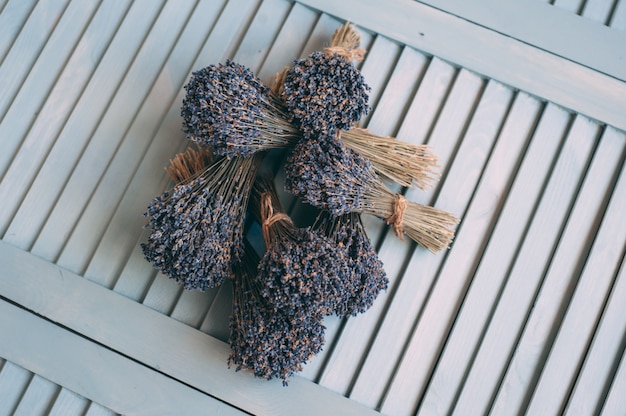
x: 332, y: 177
x: 196, y: 229
x: 266, y: 341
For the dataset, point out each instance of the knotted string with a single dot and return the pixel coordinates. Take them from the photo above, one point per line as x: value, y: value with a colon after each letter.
x: 269, y: 217
x: 356, y: 54
x: 395, y: 219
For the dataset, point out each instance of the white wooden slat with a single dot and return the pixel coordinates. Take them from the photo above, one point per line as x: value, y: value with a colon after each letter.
x: 69, y: 144
x: 486, y: 52
x: 428, y: 102
x: 485, y: 279
x: 478, y: 156
x: 98, y: 410
x: 89, y: 225
x: 528, y: 268
x: 552, y: 29
x: 13, y: 382
x: 579, y: 323
x: 115, y: 125
x: 150, y: 338
x: 261, y: 33
x: 598, y: 10
x: 68, y: 403
x: 163, y: 294
x: 116, y: 382
x: 559, y: 279
x: 136, y: 275
x: 417, y: 276
x: 503, y: 243
x: 618, y: 19
x: 573, y: 6
x: 149, y: 179
x: 216, y: 321
x: 289, y: 41
x: 12, y: 18
x: 616, y: 400
x: 26, y: 48
x: 605, y: 352
x: 44, y: 72
x: 38, y: 397
x: 385, y: 118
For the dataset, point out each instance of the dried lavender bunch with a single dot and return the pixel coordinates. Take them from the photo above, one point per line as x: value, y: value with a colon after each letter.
x: 332, y: 177
x: 227, y: 108
x: 325, y: 93
x: 197, y: 228
x: 265, y: 341
x: 368, y: 276
x: 301, y: 272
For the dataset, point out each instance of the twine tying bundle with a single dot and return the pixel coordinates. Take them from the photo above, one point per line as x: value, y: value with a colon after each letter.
x: 395, y: 220
x: 269, y: 217
x: 348, y: 54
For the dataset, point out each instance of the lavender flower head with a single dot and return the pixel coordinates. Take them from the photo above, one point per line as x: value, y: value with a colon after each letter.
x: 197, y: 228
x: 325, y: 93
x: 368, y: 276
x: 265, y: 341
x: 226, y: 107
x: 328, y: 175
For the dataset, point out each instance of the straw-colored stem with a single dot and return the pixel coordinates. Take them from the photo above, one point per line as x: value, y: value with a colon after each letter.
x: 186, y: 164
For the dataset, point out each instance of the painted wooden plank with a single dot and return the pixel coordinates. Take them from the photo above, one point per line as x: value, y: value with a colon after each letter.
x: 148, y: 337
x: 420, y: 272
x: 137, y: 274
x: 19, y: 172
x: 98, y: 410
x: 12, y: 18
x: 68, y: 403
x: 88, y: 215
x: 13, y: 383
x: 38, y: 397
x: 216, y: 321
x: 406, y: 74
x: 502, y: 245
x: 618, y: 19
x: 511, y: 210
x: 557, y: 30
x: 583, y: 312
x: 59, y: 355
x: 560, y: 278
x: 501, y: 58
x: 606, y: 350
x: 114, y: 125
x: 527, y: 269
x: 428, y: 102
x: 616, y: 400
x: 26, y: 48
x: 261, y: 33
x: 43, y: 74
x: 149, y: 179
x: 478, y: 155
x: 69, y: 144
x: 415, y: 278
x: 598, y: 11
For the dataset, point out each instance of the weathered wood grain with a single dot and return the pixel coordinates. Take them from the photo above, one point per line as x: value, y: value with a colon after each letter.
x: 575, y: 333
x: 13, y: 383
x: 606, y: 351
x: 68, y: 403
x: 150, y: 338
x: 505, y: 59
x: 118, y: 383
x: 13, y: 14
x: 38, y: 397
x: 528, y: 268
x: 561, y: 277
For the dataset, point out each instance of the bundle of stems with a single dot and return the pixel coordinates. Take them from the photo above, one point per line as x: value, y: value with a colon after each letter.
x: 186, y: 164
x: 197, y: 227
x: 301, y: 272
x: 332, y: 177
x: 267, y: 342
x: 368, y: 277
